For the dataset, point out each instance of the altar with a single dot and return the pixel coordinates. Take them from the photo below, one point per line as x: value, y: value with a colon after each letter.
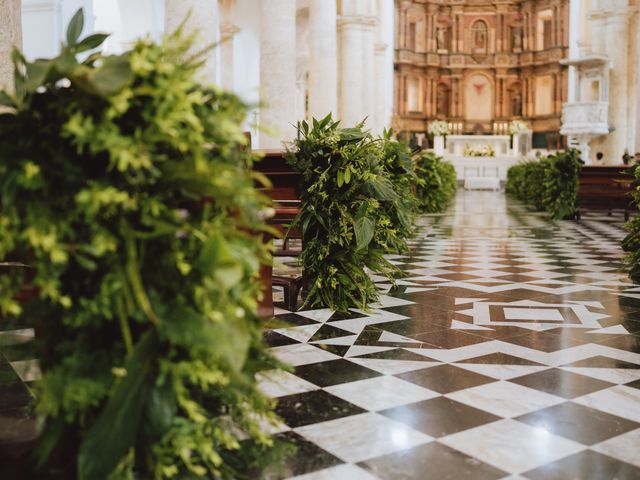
x: 484, y: 159
x: 458, y: 144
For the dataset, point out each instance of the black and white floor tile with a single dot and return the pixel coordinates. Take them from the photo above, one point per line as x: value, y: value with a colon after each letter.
x: 511, y: 349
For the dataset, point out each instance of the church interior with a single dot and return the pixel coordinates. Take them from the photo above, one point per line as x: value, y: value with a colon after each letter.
x: 320, y: 239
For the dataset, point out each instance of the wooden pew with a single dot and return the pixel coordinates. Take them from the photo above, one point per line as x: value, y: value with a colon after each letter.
x: 284, y: 191
x: 605, y: 188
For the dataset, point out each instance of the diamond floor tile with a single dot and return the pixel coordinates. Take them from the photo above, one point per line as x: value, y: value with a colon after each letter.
x: 579, y: 423
x: 511, y: 349
x: 440, y: 416
x: 432, y: 461
x: 445, y: 378
x: 587, y: 464
x: 561, y: 383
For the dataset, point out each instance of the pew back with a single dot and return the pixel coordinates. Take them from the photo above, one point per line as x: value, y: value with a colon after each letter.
x: 605, y: 188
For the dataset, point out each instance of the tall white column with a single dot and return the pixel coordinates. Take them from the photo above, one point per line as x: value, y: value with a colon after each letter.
x: 368, y: 75
x: 574, y: 51
x: 227, y: 32
x: 611, y: 24
x: 323, y: 65
x: 384, y: 76
x: 381, y: 81
x: 637, y: 60
x: 633, y: 108
x: 277, y: 72
x: 10, y: 37
x: 203, y: 20
x: 351, y: 68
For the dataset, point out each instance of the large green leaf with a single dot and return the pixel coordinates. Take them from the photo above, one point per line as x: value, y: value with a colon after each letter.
x: 218, y: 259
x: 75, y: 27
x: 226, y: 340
x: 112, y: 76
x: 116, y: 429
x: 160, y: 410
x: 382, y: 188
x: 6, y: 100
x: 364, y: 228
x: 91, y: 42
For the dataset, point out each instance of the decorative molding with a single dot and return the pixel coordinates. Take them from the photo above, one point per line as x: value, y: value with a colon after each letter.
x: 363, y: 20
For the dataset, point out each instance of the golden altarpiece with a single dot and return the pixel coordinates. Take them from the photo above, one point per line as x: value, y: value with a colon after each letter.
x: 481, y: 63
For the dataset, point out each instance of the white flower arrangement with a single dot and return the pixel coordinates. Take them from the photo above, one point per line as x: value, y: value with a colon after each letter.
x: 479, y: 151
x: 438, y: 128
x: 516, y: 126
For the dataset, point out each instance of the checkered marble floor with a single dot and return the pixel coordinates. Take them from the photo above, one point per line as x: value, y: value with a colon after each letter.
x: 511, y: 349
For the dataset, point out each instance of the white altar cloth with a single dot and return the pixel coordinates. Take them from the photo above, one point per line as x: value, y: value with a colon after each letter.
x: 501, y: 144
x: 482, y: 183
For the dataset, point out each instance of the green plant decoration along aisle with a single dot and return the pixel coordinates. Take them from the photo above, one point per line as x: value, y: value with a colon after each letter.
x: 436, y: 182
x: 124, y: 182
x: 550, y: 184
x: 398, y: 163
x: 631, y: 243
x: 344, y: 228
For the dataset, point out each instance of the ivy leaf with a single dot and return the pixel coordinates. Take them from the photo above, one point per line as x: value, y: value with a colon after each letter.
x: 91, y: 42
x: 75, y: 27
x: 115, y: 430
x: 364, y: 229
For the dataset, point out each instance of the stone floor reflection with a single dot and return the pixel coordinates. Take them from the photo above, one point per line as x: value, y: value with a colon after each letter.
x: 511, y: 349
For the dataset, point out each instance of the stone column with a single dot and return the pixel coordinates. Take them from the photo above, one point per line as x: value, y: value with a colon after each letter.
x: 227, y: 31
x: 277, y: 72
x: 637, y: 60
x: 575, y: 14
x: 323, y: 65
x: 10, y: 37
x: 634, y: 84
x: 380, y: 120
x: 612, y: 24
x: 368, y: 74
x: 351, y: 68
x: 203, y: 21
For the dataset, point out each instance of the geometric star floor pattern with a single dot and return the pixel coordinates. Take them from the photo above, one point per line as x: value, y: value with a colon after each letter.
x: 511, y: 349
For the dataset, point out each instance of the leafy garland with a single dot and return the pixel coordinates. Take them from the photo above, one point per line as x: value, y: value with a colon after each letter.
x: 351, y: 214
x: 398, y: 163
x: 631, y: 243
x: 550, y: 184
x: 436, y: 182
x: 126, y: 184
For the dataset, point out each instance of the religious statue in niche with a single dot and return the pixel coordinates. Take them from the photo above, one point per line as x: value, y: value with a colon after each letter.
x: 442, y: 107
x: 516, y: 104
x: 516, y: 39
x: 441, y: 38
x: 479, y: 37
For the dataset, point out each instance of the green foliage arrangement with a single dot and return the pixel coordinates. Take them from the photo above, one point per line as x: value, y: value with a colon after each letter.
x: 631, y: 243
x: 126, y: 184
x: 526, y: 182
x: 347, y: 216
x: 550, y: 184
x: 398, y: 163
x: 436, y: 182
